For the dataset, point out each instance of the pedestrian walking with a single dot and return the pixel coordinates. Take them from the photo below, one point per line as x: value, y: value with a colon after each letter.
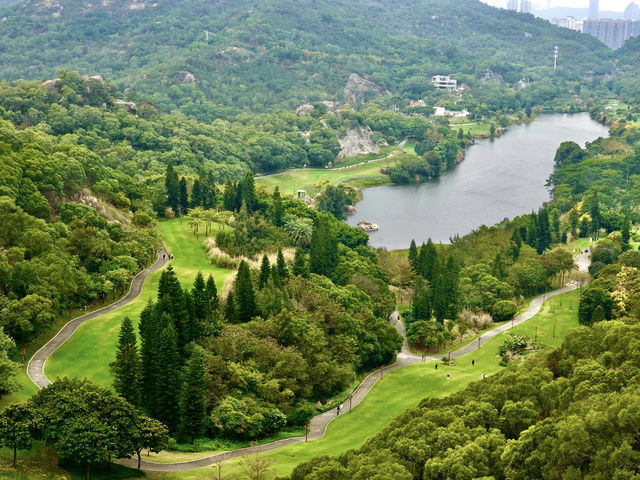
x: 338, y: 411
x: 436, y: 366
x: 473, y: 362
x: 448, y: 376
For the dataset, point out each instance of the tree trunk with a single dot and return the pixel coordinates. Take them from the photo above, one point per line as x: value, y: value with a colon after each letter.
x: 15, y: 454
x: 138, y: 452
x: 88, y: 471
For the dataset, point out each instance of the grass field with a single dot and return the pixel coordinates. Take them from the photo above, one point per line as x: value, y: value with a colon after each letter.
x: 90, y: 350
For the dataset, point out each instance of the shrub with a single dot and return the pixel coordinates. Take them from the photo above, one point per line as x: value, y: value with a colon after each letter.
x: 503, y: 310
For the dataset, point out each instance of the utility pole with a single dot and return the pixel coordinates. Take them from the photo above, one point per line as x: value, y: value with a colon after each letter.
x: 555, y: 57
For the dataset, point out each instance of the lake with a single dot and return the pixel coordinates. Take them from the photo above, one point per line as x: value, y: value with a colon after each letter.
x: 499, y: 178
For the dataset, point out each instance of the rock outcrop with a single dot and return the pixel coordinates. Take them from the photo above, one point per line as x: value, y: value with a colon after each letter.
x: 368, y: 226
x: 356, y: 141
x: 130, y: 106
x: 358, y: 88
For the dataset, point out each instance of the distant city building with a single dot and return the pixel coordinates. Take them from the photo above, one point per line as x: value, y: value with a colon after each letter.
x: 613, y: 33
x: 512, y: 5
x: 632, y: 12
x: 444, y: 82
x: 593, y: 10
x: 525, y: 6
x: 567, y: 22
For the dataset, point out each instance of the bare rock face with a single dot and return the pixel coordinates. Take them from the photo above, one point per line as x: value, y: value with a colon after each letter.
x: 368, y: 226
x: 129, y: 106
x: 357, y: 88
x: 349, y: 210
x: 52, y: 85
x: 305, y: 109
x: 356, y: 141
x: 188, y: 77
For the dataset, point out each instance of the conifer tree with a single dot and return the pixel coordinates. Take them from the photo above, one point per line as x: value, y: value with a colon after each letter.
x: 626, y: 234
x: 212, y: 293
x: 413, y: 254
x: 452, y: 274
x: 275, y: 276
x: 283, y: 271
x: 166, y: 404
x: 126, y: 368
x: 190, y: 324
x: 230, y: 310
x: 245, y: 299
x: 440, y: 302
x: 265, y: 271
x: 193, y: 413
x: 543, y: 231
x: 428, y: 260
x: 300, y: 264
x: 420, y: 303
x: 173, y: 188
x: 229, y: 196
x: 184, y: 197
x: 278, y: 208
x: 497, y: 267
x: 196, y: 194
x: 247, y: 192
x: 209, y: 197
x: 323, y: 255
x: 201, y: 302
x: 149, y: 335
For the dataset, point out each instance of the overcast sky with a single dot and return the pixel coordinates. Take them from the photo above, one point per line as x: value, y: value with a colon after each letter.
x: 615, y: 5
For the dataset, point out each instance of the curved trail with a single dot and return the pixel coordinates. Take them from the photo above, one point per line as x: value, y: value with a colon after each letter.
x: 319, y: 423
x: 35, y: 367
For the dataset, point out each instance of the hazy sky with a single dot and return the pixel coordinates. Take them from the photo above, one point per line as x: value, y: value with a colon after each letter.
x: 615, y: 5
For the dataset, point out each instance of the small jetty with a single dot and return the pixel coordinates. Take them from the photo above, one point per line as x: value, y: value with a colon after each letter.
x: 368, y: 226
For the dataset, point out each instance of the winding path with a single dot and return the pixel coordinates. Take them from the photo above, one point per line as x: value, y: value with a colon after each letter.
x: 35, y: 367
x: 319, y: 423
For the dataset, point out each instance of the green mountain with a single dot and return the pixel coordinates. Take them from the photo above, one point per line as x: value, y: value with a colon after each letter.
x: 212, y: 59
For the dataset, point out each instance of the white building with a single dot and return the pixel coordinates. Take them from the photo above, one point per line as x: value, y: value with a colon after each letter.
x: 444, y: 82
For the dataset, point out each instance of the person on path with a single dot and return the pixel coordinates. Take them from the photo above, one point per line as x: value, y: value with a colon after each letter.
x: 473, y: 362
x: 448, y: 376
x: 338, y: 411
x: 436, y: 366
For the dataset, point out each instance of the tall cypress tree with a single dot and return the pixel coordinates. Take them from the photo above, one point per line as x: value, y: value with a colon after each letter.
x: 196, y: 194
x: 248, y: 192
x: 283, y: 271
x: 440, y: 301
x: 245, y: 298
x: 265, y: 271
x: 413, y: 255
x: 229, y: 196
x: 209, y: 198
x: 166, y: 405
x: 201, y: 302
x: 184, y: 197
x: 429, y: 260
x: 452, y: 274
x: 420, y: 303
x: 543, y: 231
x: 626, y: 233
x: 126, y: 368
x: 173, y: 188
x: 278, y: 208
x: 323, y: 254
x: 300, y: 266
x: 212, y: 293
x: 230, y: 310
x: 193, y: 413
x: 149, y: 335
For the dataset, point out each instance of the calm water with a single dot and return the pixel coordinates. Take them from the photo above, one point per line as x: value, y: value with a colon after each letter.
x: 498, y: 178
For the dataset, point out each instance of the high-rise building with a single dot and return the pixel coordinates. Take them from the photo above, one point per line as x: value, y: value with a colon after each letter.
x: 525, y: 6
x: 613, y: 33
x: 512, y: 5
x: 632, y: 12
x: 593, y: 9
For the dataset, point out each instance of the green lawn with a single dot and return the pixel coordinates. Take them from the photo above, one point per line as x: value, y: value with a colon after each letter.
x: 90, y: 350
x: 305, y: 178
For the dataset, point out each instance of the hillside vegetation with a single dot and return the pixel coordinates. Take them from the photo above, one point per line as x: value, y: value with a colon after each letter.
x: 282, y: 53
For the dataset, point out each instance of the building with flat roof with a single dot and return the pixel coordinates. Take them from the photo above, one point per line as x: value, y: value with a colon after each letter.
x: 632, y: 12
x: 444, y: 82
x: 512, y: 5
x: 594, y: 9
x: 613, y: 33
x: 525, y: 6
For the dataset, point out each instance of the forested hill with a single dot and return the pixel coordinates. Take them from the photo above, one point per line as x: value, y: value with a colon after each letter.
x: 213, y: 58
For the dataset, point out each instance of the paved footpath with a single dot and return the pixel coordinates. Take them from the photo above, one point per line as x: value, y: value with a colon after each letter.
x: 35, y: 367
x: 319, y: 423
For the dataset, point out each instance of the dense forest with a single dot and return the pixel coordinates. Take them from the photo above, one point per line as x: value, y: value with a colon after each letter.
x: 215, y: 59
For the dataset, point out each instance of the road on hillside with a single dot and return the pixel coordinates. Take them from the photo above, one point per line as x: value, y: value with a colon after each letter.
x: 35, y: 367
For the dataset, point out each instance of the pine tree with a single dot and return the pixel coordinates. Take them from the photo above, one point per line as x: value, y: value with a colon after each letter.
x: 149, y: 334
x: 420, y: 303
x: 497, y: 267
x: 126, y: 368
x: 245, y: 299
x: 452, y: 274
x: 265, y: 271
x: 278, y: 208
x: 440, y: 301
x: 300, y: 264
x: 283, y: 271
x: 626, y: 234
x: 275, y: 276
x: 209, y: 197
x: 230, y: 310
x: 413, y: 255
x: 430, y: 260
x: 201, y: 302
x: 166, y: 405
x: 190, y: 325
x: 173, y: 188
x: 229, y: 196
x: 543, y: 231
x: 212, y: 294
x: 323, y: 255
x: 184, y: 197
x: 248, y: 192
x: 193, y: 413
x: 196, y: 194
